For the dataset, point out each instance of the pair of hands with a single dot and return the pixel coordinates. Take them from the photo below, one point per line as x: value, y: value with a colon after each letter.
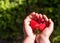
x: 43, y: 37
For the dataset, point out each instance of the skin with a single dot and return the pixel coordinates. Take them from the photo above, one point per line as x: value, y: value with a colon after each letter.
x: 43, y: 37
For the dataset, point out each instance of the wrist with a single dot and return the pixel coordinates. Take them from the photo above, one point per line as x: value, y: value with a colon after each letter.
x: 44, y: 37
x: 29, y: 40
x: 44, y: 40
x: 31, y: 37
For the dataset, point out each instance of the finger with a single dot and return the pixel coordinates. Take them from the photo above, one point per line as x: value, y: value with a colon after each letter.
x: 37, y: 38
x: 40, y: 16
x: 51, y: 24
x: 28, y: 18
x: 37, y: 15
x: 45, y: 17
x: 31, y: 15
x: 34, y: 16
x: 27, y: 23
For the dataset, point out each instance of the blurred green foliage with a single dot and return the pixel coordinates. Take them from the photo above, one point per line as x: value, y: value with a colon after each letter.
x: 13, y: 13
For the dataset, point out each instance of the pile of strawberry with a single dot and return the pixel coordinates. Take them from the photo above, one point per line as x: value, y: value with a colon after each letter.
x: 38, y: 25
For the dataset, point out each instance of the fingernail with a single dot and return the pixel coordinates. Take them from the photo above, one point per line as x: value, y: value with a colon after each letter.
x: 33, y: 12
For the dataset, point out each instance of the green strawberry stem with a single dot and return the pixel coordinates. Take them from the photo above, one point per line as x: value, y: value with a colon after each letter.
x: 37, y: 31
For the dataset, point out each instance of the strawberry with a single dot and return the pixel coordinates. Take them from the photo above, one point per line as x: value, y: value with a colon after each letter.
x: 38, y: 27
x: 42, y: 26
x: 34, y: 24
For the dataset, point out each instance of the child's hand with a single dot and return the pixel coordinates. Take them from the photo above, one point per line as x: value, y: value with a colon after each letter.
x: 44, y: 36
x: 29, y: 35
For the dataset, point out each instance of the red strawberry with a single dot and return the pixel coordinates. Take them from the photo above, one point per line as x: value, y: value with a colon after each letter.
x: 34, y: 24
x: 42, y: 26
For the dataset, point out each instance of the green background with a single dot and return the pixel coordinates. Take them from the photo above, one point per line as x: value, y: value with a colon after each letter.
x: 13, y: 13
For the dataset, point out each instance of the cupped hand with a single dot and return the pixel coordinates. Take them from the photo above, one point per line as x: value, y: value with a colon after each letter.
x: 27, y: 28
x: 43, y: 37
x: 28, y: 32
